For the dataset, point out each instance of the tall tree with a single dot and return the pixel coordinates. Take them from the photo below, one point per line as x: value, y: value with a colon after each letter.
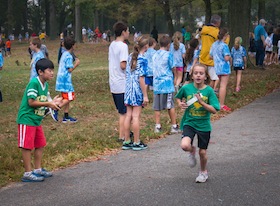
x: 52, y: 20
x: 261, y: 10
x: 78, y: 24
x: 208, y: 10
x: 239, y: 24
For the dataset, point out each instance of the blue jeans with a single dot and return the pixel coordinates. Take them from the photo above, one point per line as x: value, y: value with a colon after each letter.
x: 260, y: 53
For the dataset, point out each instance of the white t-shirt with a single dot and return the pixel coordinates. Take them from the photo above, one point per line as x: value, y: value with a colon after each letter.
x: 84, y: 31
x: 118, y: 52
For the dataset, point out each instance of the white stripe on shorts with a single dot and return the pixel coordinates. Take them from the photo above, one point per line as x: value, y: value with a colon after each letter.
x: 70, y: 96
x: 22, y: 131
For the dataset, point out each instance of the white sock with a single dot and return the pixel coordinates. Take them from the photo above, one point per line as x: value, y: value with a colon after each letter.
x: 38, y: 170
x: 158, y: 126
x: 174, y: 125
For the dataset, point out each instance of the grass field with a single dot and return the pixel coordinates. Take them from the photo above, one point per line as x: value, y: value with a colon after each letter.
x: 96, y: 132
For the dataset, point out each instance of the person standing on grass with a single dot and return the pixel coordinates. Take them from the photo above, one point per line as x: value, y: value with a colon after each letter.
x: 118, y: 54
x: 260, y: 36
x: 221, y: 55
x: 239, y: 60
x: 196, y: 118
x: 1, y: 67
x: 8, y: 47
x: 136, y: 95
x: 209, y: 34
x: 149, y: 55
x: 30, y: 115
x: 64, y: 79
x: 35, y: 45
x: 163, y: 82
x: 178, y: 50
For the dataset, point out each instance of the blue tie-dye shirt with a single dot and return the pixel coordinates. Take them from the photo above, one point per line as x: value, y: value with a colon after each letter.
x: 1, y: 60
x: 133, y: 93
x: 64, y: 77
x: 149, y: 55
x: 195, y: 56
x: 218, y: 51
x: 177, y: 54
x: 162, y: 71
x: 237, y: 56
x: 35, y: 57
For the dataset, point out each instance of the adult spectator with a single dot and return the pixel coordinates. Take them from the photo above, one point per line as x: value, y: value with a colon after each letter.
x: 260, y: 35
x: 209, y: 34
x: 84, y: 33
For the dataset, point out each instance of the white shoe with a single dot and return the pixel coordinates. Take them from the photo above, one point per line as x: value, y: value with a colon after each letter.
x: 174, y: 130
x: 192, y: 159
x: 157, y: 130
x: 202, y: 177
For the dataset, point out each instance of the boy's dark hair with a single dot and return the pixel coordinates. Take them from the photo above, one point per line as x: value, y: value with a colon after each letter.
x: 43, y: 64
x: 69, y: 42
x: 164, y: 41
x: 119, y: 27
x: 36, y: 41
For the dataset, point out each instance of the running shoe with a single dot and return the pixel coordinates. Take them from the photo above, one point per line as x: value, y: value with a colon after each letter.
x: 32, y: 178
x: 225, y: 108
x: 139, y: 146
x: 174, y: 130
x: 69, y: 119
x: 202, y: 177
x: 127, y: 146
x: 44, y: 173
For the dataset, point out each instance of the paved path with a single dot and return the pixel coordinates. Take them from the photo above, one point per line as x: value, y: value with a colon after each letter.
x: 244, y: 169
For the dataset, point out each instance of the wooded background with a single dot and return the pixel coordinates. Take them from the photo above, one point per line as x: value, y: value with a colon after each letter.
x: 53, y: 16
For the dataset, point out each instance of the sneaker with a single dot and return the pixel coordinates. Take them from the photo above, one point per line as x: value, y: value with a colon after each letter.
x: 32, y: 178
x: 69, y: 119
x: 54, y: 114
x: 139, y: 146
x: 43, y: 173
x: 174, y: 130
x: 192, y: 159
x: 127, y: 146
x: 202, y: 177
x: 157, y: 130
x: 225, y: 108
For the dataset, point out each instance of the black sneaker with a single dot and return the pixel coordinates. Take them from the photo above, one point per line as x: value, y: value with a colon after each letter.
x: 139, y: 146
x: 127, y: 146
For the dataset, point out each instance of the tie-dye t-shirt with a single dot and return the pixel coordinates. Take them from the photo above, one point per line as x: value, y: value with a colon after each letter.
x: 177, y: 54
x: 237, y: 56
x: 35, y: 57
x: 149, y: 55
x: 218, y: 51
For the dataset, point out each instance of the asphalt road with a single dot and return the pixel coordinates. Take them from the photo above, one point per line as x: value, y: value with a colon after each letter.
x: 243, y: 166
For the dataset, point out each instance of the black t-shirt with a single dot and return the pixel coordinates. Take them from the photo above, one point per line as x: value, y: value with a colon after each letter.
x: 275, y: 39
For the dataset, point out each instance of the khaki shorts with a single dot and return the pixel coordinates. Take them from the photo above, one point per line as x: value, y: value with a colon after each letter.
x: 212, y: 73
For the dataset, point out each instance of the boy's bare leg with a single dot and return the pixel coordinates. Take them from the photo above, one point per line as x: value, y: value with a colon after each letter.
x: 38, y: 154
x: 26, y: 156
x: 121, y: 125
x: 172, y: 115
x: 157, y: 117
x: 203, y: 159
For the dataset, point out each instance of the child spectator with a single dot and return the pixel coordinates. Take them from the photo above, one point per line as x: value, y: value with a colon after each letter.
x: 135, y: 93
x: 8, y: 47
x: 163, y: 84
x: 239, y: 60
x: 118, y: 54
x: 221, y: 55
x: 64, y: 79
x: 192, y: 56
x: 268, y: 47
x: 30, y: 115
x: 149, y: 55
x: 196, y: 119
x: 252, y: 46
x: 1, y: 67
x: 35, y: 45
x: 178, y: 50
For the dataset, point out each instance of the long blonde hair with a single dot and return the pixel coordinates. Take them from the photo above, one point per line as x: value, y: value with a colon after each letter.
x: 139, y: 44
x: 177, y: 39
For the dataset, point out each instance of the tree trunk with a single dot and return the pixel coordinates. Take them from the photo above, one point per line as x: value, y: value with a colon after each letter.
x: 239, y: 24
x: 261, y: 11
x: 166, y: 9
x: 208, y: 11
x: 52, y: 20
x: 78, y: 23
x: 47, y: 14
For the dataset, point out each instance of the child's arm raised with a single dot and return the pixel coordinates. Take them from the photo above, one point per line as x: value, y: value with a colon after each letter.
x: 208, y: 107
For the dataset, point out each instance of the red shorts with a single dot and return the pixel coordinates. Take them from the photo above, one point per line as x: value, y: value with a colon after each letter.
x: 30, y: 137
x: 68, y: 95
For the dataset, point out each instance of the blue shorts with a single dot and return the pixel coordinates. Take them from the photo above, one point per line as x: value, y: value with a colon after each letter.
x: 119, y: 102
x: 149, y: 81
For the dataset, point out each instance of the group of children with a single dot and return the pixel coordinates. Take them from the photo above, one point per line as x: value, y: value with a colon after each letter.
x: 36, y: 103
x: 272, y: 48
